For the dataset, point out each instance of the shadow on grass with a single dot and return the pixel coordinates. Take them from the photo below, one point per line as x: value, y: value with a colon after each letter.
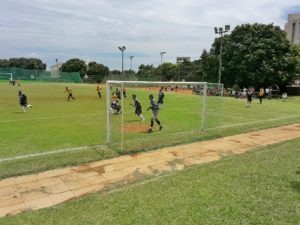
x: 295, y: 185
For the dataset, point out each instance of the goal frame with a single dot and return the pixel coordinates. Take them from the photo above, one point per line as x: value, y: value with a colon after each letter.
x: 11, y: 75
x: 159, y: 83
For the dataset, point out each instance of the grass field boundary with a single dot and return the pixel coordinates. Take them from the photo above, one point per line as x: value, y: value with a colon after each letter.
x: 51, y: 152
x: 104, y: 146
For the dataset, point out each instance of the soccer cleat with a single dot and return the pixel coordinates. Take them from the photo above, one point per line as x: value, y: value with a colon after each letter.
x: 160, y: 127
x: 149, y: 130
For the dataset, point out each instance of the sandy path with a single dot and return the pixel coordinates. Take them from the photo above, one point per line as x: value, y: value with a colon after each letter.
x: 32, y: 192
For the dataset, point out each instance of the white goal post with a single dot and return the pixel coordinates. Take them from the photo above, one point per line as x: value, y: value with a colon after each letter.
x: 8, y: 76
x: 117, y: 123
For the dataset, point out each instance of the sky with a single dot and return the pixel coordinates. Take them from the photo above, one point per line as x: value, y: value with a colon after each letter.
x: 94, y: 29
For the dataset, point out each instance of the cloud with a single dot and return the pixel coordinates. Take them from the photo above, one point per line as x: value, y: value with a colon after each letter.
x: 95, y: 28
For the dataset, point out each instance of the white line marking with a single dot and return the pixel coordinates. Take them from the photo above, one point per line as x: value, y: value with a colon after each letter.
x: 48, y: 118
x: 258, y: 121
x: 51, y: 153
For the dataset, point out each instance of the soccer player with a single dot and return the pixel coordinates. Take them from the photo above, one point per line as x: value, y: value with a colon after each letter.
x: 249, y: 95
x: 118, y: 93
x: 23, y: 101
x: 161, y: 96
x: 70, y: 93
x: 99, y: 90
x: 261, y: 94
x: 115, y: 104
x: 124, y: 93
x: 155, y: 109
x: 138, y: 107
x: 19, y: 83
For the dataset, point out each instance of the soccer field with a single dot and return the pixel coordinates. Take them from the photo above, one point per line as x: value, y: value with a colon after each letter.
x: 76, y: 130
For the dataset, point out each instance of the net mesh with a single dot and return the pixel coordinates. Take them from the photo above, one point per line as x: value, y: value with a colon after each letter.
x: 187, y: 112
x: 41, y: 75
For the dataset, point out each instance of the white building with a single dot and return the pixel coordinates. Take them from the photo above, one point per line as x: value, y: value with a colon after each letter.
x: 292, y: 28
x: 55, y: 68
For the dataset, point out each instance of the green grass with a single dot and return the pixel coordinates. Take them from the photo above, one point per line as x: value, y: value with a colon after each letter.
x: 259, y: 187
x: 53, y: 124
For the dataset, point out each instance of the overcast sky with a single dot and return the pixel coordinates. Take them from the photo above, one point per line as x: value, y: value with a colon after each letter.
x: 93, y: 29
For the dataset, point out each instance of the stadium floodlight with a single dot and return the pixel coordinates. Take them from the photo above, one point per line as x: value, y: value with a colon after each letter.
x: 122, y: 49
x: 227, y: 27
x: 221, y: 31
x: 216, y: 30
x: 161, y: 62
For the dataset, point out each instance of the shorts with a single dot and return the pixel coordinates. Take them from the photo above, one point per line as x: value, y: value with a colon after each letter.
x: 155, y: 113
x: 138, y: 111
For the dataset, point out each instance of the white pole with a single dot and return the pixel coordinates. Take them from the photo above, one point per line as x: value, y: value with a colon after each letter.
x: 108, y: 112
x: 122, y: 118
x: 204, y: 107
x: 221, y: 104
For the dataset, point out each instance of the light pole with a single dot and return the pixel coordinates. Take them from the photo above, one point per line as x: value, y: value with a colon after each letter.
x: 122, y: 49
x: 131, y: 57
x: 35, y: 71
x: 161, y: 61
x: 221, y: 31
x: 56, y: 60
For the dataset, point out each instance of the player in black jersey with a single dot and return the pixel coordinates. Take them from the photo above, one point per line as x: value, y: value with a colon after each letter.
x: 161, y: 96
x: 23, y: 101
x: 155, y: 110
x: 249, y: 97
x: 138, y: 107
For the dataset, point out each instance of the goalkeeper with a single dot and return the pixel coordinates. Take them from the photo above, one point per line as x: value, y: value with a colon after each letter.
x: 138, y: 107
x: 155, y: 110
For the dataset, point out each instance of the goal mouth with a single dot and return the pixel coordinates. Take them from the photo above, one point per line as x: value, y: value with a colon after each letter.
x: 171, y: 112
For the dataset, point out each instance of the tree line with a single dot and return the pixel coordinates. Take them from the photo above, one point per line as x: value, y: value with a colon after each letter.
x: 257, y: 55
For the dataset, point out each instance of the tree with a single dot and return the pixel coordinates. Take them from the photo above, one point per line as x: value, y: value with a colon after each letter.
x: 97, y: 71
x: 145, y: 70
x: 24, y: 63
x: 168, y: 70
x: 189, y: 71
x: 256, y: 55
x: 74, y: 65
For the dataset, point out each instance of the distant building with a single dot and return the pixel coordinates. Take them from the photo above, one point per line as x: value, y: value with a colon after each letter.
x: 182, y: 59
x: 55, y: 68
x: 292, y: 28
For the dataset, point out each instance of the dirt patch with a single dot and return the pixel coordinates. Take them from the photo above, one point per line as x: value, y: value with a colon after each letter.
x: 135, y: 128
x: 178, y: 91
x: 86, y: 168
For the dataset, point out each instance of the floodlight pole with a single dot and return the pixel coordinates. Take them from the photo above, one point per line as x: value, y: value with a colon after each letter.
x: 122, y: 49
x: 35, y: 71
x: 131, y: 57
x: 161, y: 62
x: 221, y: 31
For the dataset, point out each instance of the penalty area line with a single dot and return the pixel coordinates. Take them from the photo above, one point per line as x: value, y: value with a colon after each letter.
x: 51, y: 153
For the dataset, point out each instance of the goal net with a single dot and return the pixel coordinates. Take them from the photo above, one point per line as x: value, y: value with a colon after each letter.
x: 6, y: 76
x: 140, y: 117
